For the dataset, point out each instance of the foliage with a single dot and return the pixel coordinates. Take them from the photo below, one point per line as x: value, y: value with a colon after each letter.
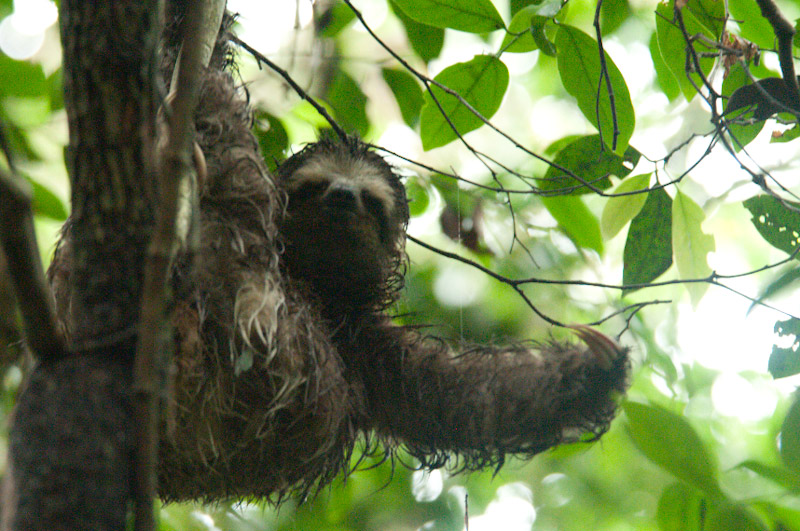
x: 545, y: 137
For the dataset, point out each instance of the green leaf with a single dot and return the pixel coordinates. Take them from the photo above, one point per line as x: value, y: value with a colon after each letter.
x: 579, y: 68
x: 46, y: 203
x: 482, y: 82
x: 785, y: 361
x: 519, y: 32
x: 407, y: 93
x: 349, y: 103
x: 418, y: 199
x: 426, y: 41
x: 474, y: 16
x: 664, y: 77
x: 540, y: 37
x: 742, y: 130
x: 576, y: 220
x: 335, y: 19
x: 790, y: 437
x: 648, y: 249
x: 730, y: 517
x: 690, y: 244
x: 782, y: 476
x: 530, y: 22
x: 776, y: 223
x: 590, y: 160
x: 21, y: 79
x: 620, y: 210
x: 752, y: 25
x: 271, y: 136
x: 673, y: 46
x: 670, y: 442
x: 680, y: 508
x: 613, y: 13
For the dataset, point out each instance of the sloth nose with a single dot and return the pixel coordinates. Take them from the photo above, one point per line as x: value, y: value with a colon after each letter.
x: 342, y: 196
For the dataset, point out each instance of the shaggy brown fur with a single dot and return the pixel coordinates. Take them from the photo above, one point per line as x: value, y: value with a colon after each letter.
x: 286, y: 357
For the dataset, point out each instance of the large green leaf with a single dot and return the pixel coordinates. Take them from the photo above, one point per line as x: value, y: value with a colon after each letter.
x: 579, y: 68
x: 664, y: 77
x: 407, y: 93
x: 729, y: 517
x: 648, y: 249
x: 672, y: 44
x: 777, y: 223
x: 349, y: 103
x: 752, y: 26
x: 426, y: 41
x: 590, y: 160
x: 670, y: 442
x: 680, y: 508
x: 482, y: 82
x: 618, y: 211
x: 474, y: 16
x: 576, y: 220
x: 690, y: 244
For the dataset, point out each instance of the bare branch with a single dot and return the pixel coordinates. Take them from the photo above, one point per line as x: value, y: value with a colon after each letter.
x: 784, y: 32
x: 25, y: 269
x: 178, y: 192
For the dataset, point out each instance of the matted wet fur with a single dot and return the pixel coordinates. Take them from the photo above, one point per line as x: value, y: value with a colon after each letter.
x: 285, y: 355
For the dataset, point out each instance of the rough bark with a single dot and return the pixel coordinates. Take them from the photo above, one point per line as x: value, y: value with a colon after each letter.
x: 73, y: 418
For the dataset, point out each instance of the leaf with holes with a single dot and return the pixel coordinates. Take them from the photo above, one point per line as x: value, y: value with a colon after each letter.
x: 785, y: 361
x: 778, y: 223
x: 481, y: 82
x: 579, y: 68
x: 474, y: 16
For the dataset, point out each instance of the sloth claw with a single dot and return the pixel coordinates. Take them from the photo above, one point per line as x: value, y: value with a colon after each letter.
x: 604, y: 349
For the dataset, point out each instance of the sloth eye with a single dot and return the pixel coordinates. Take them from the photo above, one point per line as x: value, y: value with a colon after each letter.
x: 308, y: 190
x: 375, y: 207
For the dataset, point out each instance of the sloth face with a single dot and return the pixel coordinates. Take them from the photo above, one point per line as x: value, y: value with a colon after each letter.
x: 344, y: 222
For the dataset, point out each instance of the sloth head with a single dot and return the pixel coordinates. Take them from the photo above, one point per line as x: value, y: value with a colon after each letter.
x: 344, y: 228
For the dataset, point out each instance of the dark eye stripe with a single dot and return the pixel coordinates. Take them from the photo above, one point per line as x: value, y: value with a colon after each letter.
x: 307, y: 190
x: 375, y: 207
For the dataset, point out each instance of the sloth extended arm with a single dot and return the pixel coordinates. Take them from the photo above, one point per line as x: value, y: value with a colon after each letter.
x: 484, y: 402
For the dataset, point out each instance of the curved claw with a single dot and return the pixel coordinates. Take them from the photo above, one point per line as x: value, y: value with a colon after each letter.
x: 605, y: 350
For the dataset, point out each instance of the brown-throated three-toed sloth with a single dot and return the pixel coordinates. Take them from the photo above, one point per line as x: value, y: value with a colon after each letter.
x: 286, y: 355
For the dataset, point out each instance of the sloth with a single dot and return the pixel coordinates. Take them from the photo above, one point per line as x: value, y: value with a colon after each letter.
x: 286, y: 351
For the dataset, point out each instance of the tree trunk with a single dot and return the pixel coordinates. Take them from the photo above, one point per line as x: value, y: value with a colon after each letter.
x: 70, y: 445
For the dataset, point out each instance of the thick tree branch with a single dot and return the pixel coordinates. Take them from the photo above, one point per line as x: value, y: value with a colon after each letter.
x: 784, y: 32
x: 25, y: 269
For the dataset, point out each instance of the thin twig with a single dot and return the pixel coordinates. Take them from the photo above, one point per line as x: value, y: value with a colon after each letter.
x: 261, y: 58
x: 604, y: 76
